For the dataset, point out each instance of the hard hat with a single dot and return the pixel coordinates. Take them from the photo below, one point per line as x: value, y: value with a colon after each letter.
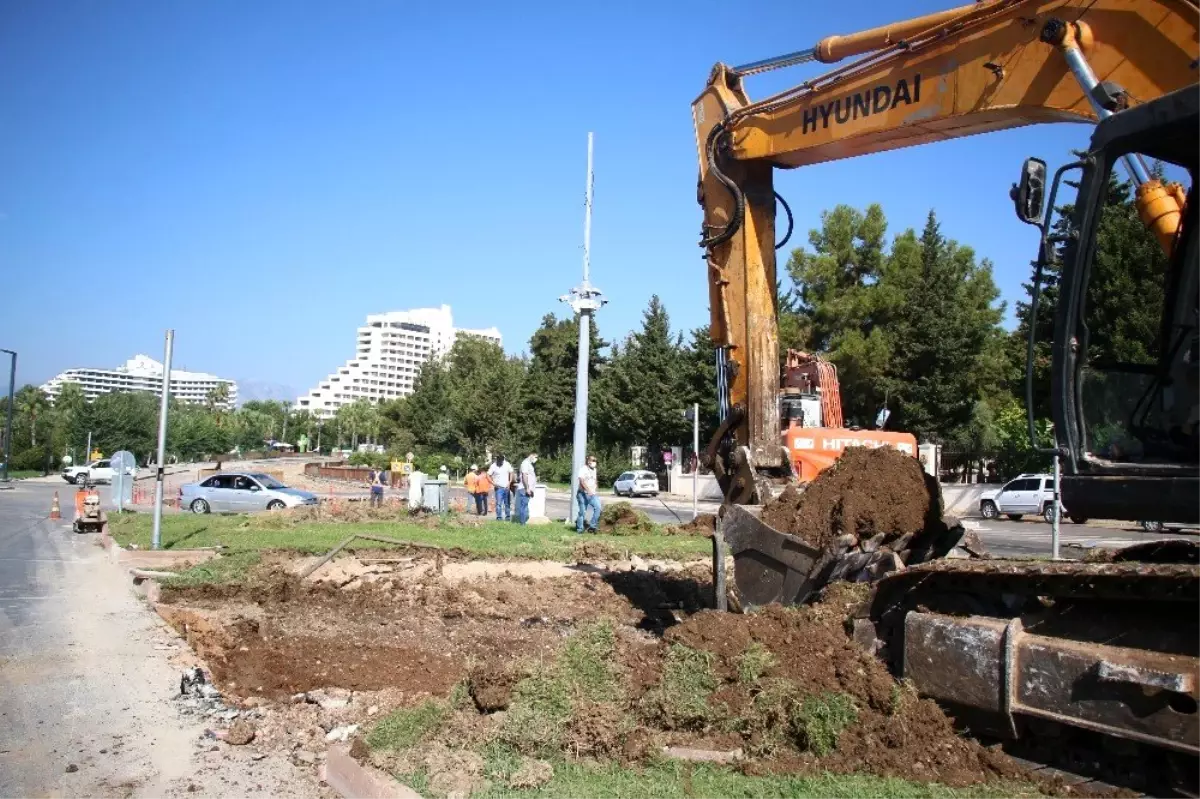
x: 474, y: 466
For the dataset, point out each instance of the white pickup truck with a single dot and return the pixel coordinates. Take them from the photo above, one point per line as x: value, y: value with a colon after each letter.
x: 100, y: 471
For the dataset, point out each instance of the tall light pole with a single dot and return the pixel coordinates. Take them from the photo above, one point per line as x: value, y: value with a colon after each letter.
x: 12, y: 387
x: 585, y: 299
x: 156, y: 533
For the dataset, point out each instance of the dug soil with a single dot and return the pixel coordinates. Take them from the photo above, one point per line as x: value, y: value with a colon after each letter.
x: 865, y: 492
x: 275, y: 635
x: 407, y: 639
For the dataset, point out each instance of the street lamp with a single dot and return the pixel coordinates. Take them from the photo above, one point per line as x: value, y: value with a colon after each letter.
x: 12, y: 386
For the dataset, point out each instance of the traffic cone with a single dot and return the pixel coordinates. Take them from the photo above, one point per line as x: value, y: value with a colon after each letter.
x: 55, y: 513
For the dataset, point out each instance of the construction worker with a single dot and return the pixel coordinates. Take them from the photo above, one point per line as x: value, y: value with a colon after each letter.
x: 527, y: 482
x: 471, y: 483
x: 501, y: 475
x: 483, y: 487
x: 376, y: 482
x: 587, y: 496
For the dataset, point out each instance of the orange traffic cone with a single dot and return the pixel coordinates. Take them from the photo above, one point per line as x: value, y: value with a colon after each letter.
x: 55, y: 513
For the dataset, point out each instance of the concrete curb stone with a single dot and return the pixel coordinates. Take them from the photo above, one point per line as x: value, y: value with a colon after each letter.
x: 353, y: 780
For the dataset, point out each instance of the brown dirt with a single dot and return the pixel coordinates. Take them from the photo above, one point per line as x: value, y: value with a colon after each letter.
x: 275, y: 635
x: 491, y: 686
x: 704, y: 524
x: 867, y: 491
x: 396, y: 641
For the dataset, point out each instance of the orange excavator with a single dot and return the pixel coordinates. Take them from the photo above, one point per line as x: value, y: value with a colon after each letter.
x: 1017, y: 648
x: 811, y: 411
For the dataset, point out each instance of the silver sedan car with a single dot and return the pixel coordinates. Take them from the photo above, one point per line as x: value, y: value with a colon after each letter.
x: 241, y: 492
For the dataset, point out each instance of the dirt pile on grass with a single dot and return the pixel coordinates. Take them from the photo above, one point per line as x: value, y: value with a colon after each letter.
x: 867, y: 492
x: 621, y: 518
x: 785, y: 687
x: 704, y: 524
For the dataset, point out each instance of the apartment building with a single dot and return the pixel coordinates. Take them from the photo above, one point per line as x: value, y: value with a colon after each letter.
x: 389, y: 351
x: 143, y: 373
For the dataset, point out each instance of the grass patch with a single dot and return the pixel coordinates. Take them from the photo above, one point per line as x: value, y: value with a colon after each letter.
x: 239, y: 533
x: 818, y: 721
x: 407, y: 727
x: 682, y: 700
x: 669, y: 779
x: 538, y: 714
x: 231, y: 568
x: 754, y: 663
x: 23, y: 474
x: 586, y: 662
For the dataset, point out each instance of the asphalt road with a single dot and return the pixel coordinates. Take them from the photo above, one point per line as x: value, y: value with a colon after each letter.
x: 87, y: 677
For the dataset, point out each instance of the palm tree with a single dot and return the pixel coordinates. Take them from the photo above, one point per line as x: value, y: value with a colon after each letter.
x: 218, y: 395
x: 31, y: 403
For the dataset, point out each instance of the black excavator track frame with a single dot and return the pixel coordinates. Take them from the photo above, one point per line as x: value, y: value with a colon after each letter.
x: 977, y: 630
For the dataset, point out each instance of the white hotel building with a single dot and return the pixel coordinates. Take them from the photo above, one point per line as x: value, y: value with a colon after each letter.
x: 142, y: 373
x: 389, y: 351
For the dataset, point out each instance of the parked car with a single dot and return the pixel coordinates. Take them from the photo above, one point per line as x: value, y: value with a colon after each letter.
x: 100, y: 471
x: 1159, y: 526
x: 241, y: 492
x: 1026, y: 494
x: 631, y: 484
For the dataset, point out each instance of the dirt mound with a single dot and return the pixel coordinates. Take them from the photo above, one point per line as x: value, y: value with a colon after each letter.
x: 704, y: 524
x: 491, y: 686
x: 778, y: 675
x: 866, y: 492
x: 622, y: 518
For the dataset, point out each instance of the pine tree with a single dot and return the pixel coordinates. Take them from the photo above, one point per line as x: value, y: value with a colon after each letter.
x: 641, y: 395
x: 944, y: 336
x: 548, y: 393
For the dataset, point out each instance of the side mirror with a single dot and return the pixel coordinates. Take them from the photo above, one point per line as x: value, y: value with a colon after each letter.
x: 1029, y: 196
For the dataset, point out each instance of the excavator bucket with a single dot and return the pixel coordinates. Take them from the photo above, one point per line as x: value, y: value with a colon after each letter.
x: 769, y: 566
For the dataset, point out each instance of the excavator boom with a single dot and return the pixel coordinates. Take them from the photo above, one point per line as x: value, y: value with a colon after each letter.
x: 993, y: 65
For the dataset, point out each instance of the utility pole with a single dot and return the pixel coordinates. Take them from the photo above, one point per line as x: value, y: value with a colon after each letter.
x: 12, y: 387
x: 156, y: 535
x: 87, y: 456
x: 585, y: 299
x: 695, y: 460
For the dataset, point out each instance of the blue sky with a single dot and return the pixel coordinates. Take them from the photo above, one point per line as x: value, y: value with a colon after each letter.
x: 260, y: 176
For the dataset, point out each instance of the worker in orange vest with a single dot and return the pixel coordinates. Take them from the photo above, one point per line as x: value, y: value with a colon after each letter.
x: 483, y: 487
x: 471, y: 483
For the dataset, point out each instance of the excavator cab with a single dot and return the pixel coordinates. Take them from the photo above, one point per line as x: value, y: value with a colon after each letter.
x: 1122, y: 274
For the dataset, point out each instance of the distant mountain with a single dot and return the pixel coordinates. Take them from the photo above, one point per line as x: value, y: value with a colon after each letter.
x: 262, y: 390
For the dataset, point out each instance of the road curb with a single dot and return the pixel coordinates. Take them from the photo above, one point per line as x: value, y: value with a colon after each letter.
x: 353, y: 780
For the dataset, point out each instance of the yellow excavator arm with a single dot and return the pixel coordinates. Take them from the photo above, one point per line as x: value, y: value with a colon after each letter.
x: 989, y: 66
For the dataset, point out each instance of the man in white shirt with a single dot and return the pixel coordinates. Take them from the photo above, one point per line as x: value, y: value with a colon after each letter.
x: 525, y: 486
x: 500, y: 473
x: 587, y: 496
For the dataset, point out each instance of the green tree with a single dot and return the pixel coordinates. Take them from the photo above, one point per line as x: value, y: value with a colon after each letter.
x: 483, y: 393
x: 428, y: 407
x: 640, y: 395
x: 841, y: 305
x: 700, y: 379
x: 548, y: 391
x: 31, y: 404
x: 69, y: 405
x: 945, y: 339
x: 217, y: 396
x: 123, y: 421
